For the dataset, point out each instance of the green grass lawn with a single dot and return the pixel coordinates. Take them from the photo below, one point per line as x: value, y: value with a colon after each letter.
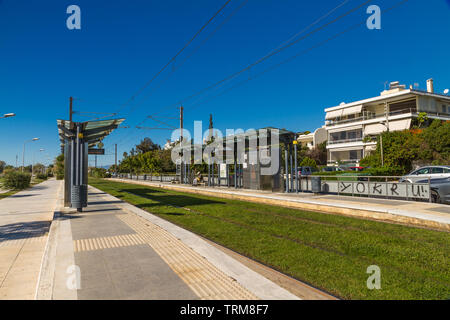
x: 330, y: 252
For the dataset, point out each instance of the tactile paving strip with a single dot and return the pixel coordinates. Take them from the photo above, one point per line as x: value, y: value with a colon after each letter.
x: 107, y: 242
x: 208, y: 282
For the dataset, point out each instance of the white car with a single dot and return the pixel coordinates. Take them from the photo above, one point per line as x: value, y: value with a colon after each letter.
x: 432, y: 172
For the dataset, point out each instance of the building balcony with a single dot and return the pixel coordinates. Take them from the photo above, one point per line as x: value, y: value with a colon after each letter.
x: 334, y: 142
x: 370, y: 116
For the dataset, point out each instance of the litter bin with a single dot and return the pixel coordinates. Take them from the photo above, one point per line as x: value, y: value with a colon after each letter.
x: 79, y: 196
x: 316, y: 184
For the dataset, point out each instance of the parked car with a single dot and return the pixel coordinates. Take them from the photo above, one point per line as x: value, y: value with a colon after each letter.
x: 433, y: 172
x: 306, y: 171
x: 440, y: 189
x: 356, y: 168
x: 331, y: 169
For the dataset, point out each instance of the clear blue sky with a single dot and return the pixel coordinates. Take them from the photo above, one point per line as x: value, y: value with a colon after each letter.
x: 122, y: 44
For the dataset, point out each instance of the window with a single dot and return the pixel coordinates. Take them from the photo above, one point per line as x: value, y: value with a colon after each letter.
x: 423, y: 171
x: 353, y: 155
x: 446, y: 170
x: 437, y: 170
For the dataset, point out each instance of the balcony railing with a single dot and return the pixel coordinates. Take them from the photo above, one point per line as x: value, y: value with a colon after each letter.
x: 368, y: 116
x: 344, y: 141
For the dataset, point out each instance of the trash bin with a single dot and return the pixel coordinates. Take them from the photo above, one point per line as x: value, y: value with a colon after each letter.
x: 79, y: 196
x: 316, y: 184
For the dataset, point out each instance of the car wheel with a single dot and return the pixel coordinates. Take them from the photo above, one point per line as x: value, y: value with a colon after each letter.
x: 435, y: 197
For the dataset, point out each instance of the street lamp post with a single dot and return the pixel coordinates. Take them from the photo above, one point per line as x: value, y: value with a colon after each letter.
x: 23, y: 154
x: 8, y: 115
x: 381, y: 143
x: 32, y: 165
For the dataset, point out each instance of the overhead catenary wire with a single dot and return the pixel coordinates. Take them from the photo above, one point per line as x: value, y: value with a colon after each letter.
x: 269, y: 55
x: 172, y: 60
x: 278, y: 49
x: 304, y: 51
x: 354, y: 26
x: 138, y: 92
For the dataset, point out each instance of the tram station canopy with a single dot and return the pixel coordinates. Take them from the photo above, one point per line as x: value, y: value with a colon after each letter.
x: 92, y: 131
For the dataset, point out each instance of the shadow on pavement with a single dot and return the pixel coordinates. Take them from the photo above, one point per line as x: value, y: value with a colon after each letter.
x: 16, y: 231
x: 23, y: 195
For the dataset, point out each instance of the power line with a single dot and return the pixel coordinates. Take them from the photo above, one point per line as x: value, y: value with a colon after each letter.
x: 277, y: 50
x: 270, y: 54
x: 292, y: 57
x: 180, y: 64
x: 174, y: 57
x: 179, y: 52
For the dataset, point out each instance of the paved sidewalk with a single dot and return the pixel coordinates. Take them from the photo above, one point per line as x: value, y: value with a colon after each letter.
x: 113, y: 250
x: 426, y: 214
x: 24, y: 223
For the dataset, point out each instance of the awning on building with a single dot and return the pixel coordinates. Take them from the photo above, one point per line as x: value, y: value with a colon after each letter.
x: 377, y: 128
x: 352, y: 110
x: 333, y: 114
x: 400, y: 125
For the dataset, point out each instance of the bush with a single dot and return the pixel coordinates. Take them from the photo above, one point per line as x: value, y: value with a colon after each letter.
x: 385, y: 171
x: 41, y: 176
x: 308, y: 162
x: 16, y: 180
x: 99, y: 173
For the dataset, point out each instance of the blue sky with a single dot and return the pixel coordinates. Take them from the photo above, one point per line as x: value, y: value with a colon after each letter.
x: 122, y: 44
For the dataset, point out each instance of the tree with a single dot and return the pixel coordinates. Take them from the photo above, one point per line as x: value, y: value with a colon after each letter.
x: 59, y: 167
x: 401, y: 148
x: 2, y: 166
x: 308, y: 162
x: 38, y: 168
x: 147, y: 145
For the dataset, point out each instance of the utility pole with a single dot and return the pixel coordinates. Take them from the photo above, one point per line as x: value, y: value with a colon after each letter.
x: 181, y: 123
x: 115, y: 158
x: 17, y: 157
x: 70, y: 110
x: 95, y: 161
x: 211, y: 126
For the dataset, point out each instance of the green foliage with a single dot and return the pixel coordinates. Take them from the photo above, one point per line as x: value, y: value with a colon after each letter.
x: 59, y: 167
x: 99, y: 173
x: 16, y: 180
x: 385, y: 171
x: 42, y: 176
x: 2, y: 165
x: 308, y: 162
x: 401, y: 148
x: 153, y: 162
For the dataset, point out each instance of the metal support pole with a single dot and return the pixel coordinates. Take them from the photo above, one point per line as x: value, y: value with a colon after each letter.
x: 115, y: 159
x: 209, y: 173
x: 292, y: 168
x: 235, y: 172
x: 77, y: 158
x: 286, y: 169
x: 296, y: 168
x: 429, y: 190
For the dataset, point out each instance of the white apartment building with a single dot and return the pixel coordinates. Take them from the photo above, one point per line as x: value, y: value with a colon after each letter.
x: 311, y: 140
x: 348, y: 124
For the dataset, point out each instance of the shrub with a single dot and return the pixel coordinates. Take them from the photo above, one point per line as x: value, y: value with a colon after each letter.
x: 308, y: 162
x: 17, y: 180
x: 42, y: 176
x: 385, y: 171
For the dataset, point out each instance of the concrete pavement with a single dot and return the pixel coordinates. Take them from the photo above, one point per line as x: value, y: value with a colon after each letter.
x: 423, y: 214
x: 25, y: 219
x: 113, y: 250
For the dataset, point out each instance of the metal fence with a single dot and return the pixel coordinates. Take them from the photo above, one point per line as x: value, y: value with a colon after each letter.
x: 364, y: 186
x: 387, y: 187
